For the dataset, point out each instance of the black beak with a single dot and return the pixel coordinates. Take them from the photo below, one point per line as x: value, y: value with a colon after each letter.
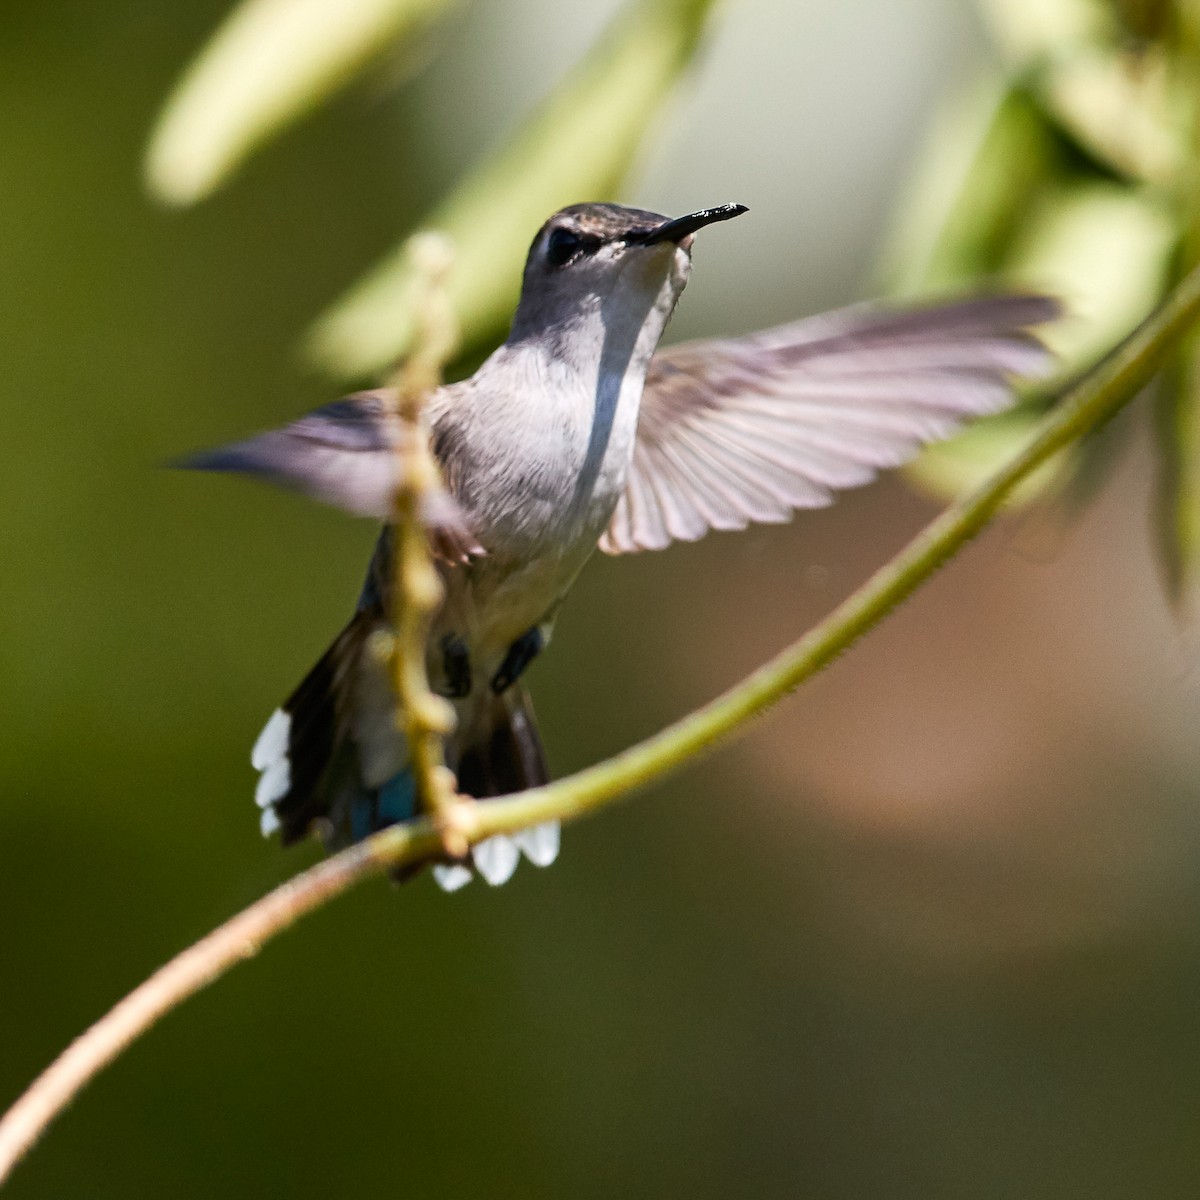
x: 680, y: 227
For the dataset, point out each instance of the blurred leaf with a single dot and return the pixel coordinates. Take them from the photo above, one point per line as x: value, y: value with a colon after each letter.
x: 1146, y: 19
x: 952, y: 468
x: 986, y: 156
x: 269, y: 63
x: 1106, y: 92
x: 1114, y: 103
x: 1032, y: 31
x: 1059, y: 180
x: 1105, y: 251
x: 578, y: 146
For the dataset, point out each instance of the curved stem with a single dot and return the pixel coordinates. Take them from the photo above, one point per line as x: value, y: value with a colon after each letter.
x: 1082, y: 407
x: 425, y: 718
x: 207, y: 960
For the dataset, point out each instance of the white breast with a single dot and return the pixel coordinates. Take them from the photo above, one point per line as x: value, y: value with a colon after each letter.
x: 537, y: 452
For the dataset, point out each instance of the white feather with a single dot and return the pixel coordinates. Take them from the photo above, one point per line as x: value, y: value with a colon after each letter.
x: 452, y: 876
x: 539, y: 843
x: 272, y: 743
x: 273, y: 784
x: 496, y: 859
x: 268, y: 822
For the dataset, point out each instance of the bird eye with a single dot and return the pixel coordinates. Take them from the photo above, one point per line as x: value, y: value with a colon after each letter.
x: 564, y: 244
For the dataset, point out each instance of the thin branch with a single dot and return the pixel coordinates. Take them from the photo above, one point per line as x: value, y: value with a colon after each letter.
x: 426, y: 718
x: 1082, y: 407
x: 239, y: 938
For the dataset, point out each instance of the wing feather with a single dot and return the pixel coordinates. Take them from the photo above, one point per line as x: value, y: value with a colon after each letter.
x: 742, y: 430
x: 342, y: 454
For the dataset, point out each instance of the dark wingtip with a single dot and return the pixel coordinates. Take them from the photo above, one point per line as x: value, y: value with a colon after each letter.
x: 1026, y: 309
x: 1049, y: 308
x: 204, y: 460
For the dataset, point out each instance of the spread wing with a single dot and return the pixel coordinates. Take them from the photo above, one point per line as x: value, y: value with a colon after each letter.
x: 749, y: 429
x: 342, y: 454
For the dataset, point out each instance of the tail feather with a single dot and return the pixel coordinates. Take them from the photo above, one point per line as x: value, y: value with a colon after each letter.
x: 304, y: 742
x: 505, y: 753
x: 313, y: 766
x: 505, y: 756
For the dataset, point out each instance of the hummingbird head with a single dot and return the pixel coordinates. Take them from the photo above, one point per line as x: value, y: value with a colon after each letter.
x: 623, y: 267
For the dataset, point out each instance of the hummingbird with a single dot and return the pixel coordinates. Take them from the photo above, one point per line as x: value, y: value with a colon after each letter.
x: 578, y: 434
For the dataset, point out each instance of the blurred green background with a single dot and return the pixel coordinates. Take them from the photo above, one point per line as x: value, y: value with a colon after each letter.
x: 931, y: 930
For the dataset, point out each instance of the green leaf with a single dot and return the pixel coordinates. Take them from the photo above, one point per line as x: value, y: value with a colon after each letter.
x: 987, y: 155
x: 1031, y: 31
x: 1106, y: 92
x: 578, y: 146
x: 1105, y: 250
x: 950, y: 469
x: 1114, y: 103
x: 269, y: 63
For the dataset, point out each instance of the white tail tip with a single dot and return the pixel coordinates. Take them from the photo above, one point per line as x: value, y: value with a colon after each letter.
x: 540, y: 843
x: 452, y: 876
x: 496, y: 859
x: 272, y: 743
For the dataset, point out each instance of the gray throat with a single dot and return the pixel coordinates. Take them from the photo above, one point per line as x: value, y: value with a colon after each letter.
x: 537, y: 445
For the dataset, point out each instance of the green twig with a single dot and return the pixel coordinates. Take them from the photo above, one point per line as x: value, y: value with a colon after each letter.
x: 1082, y: 407
x: 426, y: 719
